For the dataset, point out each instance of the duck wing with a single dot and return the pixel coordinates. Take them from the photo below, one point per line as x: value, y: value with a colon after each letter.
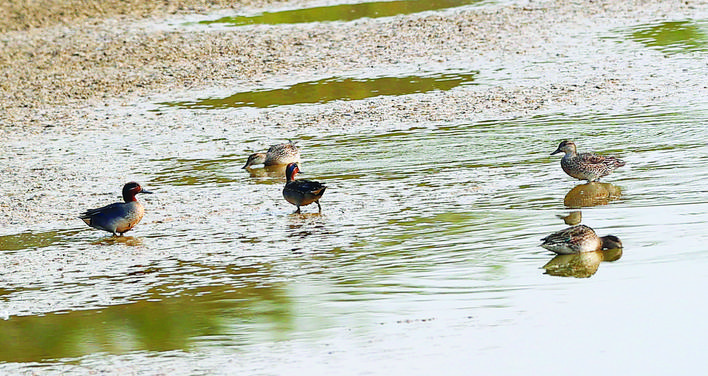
x: 570, y: 236
x: 596, y: 159
x: 310, y: 186
x: 104, y: 210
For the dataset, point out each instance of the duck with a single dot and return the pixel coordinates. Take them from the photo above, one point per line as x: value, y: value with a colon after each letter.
x: 278, y: 154
x: 579, y: 239
x: 301, y: 192
x: 586, y: 166
x: 119, y: 217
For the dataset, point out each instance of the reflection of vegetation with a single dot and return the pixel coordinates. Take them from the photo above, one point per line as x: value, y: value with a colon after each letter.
x: 159, y: 324
x: 334, y: 89
x: 591, y: 194
x: 343, y: 12
x: 31, y: 240
x: 672, y: 37
x: 581, y: 265
x: 196, y: 171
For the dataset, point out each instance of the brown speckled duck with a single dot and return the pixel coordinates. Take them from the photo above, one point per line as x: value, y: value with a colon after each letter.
x: 279, y: 154
x: 579, y: 239
x: 585, y: 166
x: 119, y: 217
x: 301, y: 192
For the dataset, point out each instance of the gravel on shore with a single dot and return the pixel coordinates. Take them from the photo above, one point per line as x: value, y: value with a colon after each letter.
x: 100, y: 51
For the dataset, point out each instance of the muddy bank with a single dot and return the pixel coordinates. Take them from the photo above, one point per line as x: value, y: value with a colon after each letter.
x: 124, y: 54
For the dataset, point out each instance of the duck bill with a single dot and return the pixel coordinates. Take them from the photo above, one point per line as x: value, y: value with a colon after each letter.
x: 144, y: 191
x: 557, y: 151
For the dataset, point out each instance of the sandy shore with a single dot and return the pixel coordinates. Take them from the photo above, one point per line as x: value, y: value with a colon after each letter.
x: 113, y: 49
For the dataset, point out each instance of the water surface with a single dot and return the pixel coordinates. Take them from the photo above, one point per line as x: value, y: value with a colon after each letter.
x: 341, y: 12
x: 335, y: 88
x: 673, y: 37
x: 430, y: 227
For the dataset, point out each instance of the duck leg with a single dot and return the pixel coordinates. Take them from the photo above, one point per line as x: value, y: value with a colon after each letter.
x: 318, y: 206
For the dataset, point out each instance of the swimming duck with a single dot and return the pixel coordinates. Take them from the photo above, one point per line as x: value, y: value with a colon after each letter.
x: 279, y: 154
x: 578, y: 239
x: 119, y: 217
x: 585, y: 166
x: 301, y: 192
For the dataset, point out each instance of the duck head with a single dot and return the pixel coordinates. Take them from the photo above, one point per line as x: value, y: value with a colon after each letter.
x: 131, y: 189
x: 254, y: 159
x: 567, y: 147
x: 291, y: 170
x: 611, y: 242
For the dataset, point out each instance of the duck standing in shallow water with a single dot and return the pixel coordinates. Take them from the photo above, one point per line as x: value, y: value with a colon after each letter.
x: 301, y: 192
x: 279, y: 154
x: 585, y: 166
x: 579, y: 239
x: 119, y: 217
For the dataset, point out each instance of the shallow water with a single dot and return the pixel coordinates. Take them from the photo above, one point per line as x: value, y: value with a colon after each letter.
x: 425, y: 256
x: 336, y: 88
x: 423, y: 227
x: 673, y: 37
x: 341, y: 12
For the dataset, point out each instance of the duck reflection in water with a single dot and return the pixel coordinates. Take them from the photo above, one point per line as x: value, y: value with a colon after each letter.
x: 591, y: 194
x: 580, y: 265
x: 573, y: 218
x: 130, y: 241
x: 275, y: 171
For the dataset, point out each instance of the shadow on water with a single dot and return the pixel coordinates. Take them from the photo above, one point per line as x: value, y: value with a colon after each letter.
x: 177, y: 322
x: 591, y: 194
x: 581, y: 265
x: 334, y: 88
x: 673, y: 36
x: 342, y: 12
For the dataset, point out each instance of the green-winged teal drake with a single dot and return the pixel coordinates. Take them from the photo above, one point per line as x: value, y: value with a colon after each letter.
x: 579, y: 239
x: 279, y: 154
x: 301, y: 192
x: 585, y: 166
x: 119, y: 217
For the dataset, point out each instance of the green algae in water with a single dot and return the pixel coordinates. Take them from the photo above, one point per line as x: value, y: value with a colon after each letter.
x: 34, y: 240
x: 673, y: 37
x: 164, y: 323
x: 331, y: 89
x: 342, y: 12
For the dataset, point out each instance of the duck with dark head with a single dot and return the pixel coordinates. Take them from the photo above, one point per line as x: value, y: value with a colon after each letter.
x: 301, y: 192
x: 119, y: 217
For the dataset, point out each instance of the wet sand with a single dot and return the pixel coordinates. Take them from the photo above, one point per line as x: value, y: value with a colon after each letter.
x: 87, y: 71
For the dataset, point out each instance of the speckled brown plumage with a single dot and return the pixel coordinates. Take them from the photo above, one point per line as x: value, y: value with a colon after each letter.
x: 586, y: 166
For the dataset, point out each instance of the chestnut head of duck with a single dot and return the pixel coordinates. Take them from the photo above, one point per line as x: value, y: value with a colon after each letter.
x: 131, y: 189
x: 301, y: 192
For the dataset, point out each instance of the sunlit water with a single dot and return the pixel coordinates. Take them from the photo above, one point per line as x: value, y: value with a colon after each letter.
x: 425, y: 255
